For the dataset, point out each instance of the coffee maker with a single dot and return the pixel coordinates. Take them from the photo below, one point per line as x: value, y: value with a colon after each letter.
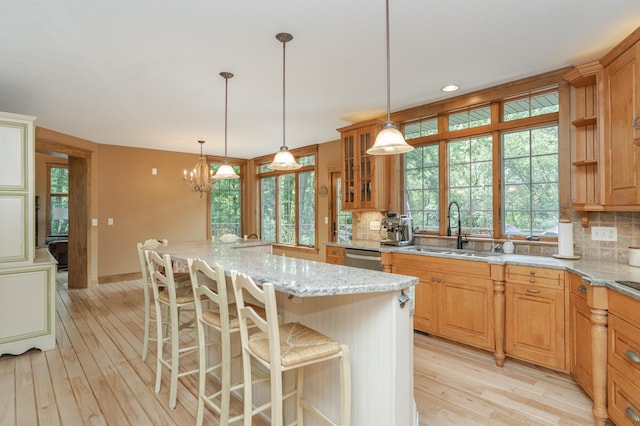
x: 398, y: 229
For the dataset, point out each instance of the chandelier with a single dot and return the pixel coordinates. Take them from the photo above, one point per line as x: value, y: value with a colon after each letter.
x: 199, y: 179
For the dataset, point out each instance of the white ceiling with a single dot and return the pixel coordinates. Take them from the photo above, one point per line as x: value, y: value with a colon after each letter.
x: 146, y: 73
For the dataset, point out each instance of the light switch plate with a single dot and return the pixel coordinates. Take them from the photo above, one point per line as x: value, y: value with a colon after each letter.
x: 94, y: 222
x: 110, y: 221
x: 604, y: 233
x: 374, y: 225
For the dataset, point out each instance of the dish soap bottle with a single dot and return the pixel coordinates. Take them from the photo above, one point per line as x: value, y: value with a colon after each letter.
x: 508, y: 247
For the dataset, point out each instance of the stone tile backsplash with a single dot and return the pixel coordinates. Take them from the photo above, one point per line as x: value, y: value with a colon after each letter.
x: 627, y: 224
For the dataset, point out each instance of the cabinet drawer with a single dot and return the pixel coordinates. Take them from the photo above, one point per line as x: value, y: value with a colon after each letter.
x: 335, y: 255
x: 578, y: 287
x: 537, y: 276
x: 624, y: 399
x: 441, y: 264
x: 624, y: 307
x: 624, y: 348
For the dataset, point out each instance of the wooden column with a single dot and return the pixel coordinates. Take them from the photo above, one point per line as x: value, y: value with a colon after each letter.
x: 598, y: 303
x: 497, y: 275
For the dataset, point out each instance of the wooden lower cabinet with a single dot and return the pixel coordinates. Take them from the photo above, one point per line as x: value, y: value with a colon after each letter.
x: 535, y: 316
x: 454, y: 298
x: 580, y: 358
x: 623, y: 372
x: 335, y: 255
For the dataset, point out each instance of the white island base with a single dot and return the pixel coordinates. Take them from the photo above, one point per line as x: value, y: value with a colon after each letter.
x: 379, y: 334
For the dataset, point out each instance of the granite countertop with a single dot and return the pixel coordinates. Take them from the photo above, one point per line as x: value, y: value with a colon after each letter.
x: 596, y: 273
x: 298, y: 277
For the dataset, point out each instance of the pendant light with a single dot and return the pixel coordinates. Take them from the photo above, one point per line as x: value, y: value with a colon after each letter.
x: 389, y: 140
x: 284, y: 160
x: 225, y: 171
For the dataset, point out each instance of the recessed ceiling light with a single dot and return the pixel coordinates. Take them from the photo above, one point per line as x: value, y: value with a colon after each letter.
x: 450, y: 88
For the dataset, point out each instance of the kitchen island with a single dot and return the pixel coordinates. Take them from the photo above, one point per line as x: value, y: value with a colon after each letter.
x: 357, y: 307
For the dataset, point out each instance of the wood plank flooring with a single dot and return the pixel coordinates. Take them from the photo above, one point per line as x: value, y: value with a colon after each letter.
x: 95, y: 376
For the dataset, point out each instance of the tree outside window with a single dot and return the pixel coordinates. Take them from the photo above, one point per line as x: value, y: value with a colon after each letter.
x: 226, y: 205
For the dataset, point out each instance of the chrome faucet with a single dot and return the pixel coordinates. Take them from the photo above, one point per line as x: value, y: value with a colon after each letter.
x: 495, y: 247
x: 460, y: 240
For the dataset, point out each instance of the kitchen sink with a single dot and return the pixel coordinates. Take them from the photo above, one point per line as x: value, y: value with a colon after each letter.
x: 451, y: 252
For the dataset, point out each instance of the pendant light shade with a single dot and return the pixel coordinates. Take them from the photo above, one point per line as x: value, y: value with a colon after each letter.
x: 284, y: 160
x: 389, y: 140
x: 225, y: 171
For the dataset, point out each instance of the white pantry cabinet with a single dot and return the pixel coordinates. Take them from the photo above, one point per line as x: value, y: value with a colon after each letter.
x: 27, y: 278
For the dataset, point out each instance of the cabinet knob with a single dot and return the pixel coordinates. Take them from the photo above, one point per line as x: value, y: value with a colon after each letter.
x: 632, y: 414
x: 439, y: 280
x: 532, y: 272
x: 634, y: 122
x: 582, y: 289
x: 633, y: 356
x: 433, y: 279
x: 532, y: 280
x: 532, y: 290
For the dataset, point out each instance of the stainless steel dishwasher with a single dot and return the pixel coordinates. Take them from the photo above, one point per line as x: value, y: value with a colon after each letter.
x: 363, y: 258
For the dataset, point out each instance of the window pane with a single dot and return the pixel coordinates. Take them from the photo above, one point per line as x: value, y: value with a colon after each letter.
x: 470, y: 118
x: 225, y: 205
x: 531, y: 106
x: 59, y: 215
x: 309, y: 160
x: 530, y: 172
x: 422, y: 187
x: 59, y: 178
x: 268, y: 208
x: 425, y: 127
x: 287, y: 209
x: 470, y: 183
x: 344, y: 218
x: 306, y: 204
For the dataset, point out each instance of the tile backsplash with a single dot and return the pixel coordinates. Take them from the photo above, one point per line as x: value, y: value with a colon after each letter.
x: 626, y: 223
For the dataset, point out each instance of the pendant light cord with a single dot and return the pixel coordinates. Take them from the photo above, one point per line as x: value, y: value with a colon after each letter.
x: 284, y: 54
x: 226, y: 90
x: 388, y: 70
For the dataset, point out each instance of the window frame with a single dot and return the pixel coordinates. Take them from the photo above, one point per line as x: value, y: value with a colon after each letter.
x: 311, y: 150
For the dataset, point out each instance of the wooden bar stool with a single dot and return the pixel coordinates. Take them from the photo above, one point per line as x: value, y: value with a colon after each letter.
x: 149, y: 318
x: 174, y: 300
x: 281, y: 348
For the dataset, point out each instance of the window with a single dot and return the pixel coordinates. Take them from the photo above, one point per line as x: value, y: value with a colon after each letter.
x: 472, y: 117
x: 226, y: 205
x: 530, y: 173
x: 531, y: 106
x: 422, y: 179
x: 287, y: 201
x: 58, y: 200
x: 470, y: 182
x: 502, y: 172
x: 420, y: 128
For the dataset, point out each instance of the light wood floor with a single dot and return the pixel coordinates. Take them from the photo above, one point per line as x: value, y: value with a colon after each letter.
x: 95, y: 376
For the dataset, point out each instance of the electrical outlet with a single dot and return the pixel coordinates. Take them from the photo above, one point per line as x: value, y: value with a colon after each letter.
x: 604, y: 233
x: 374, y: 225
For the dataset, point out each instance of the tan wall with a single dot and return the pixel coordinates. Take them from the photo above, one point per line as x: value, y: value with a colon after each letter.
x: 143, y: 205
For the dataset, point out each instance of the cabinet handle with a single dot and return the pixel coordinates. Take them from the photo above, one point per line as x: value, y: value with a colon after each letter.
x: 631, y: 413
x: 532, y: 272
x: 439, y: 280
x: 582, y: 289
x: 634, y: 122
x: 633, y: 356
x: 532, y: 280
x: 433, y: 279
x: 532, y: 290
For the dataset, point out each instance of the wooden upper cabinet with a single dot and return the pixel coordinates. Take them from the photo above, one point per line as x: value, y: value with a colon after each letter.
x: 363, y: 185
x: 621, y: 137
